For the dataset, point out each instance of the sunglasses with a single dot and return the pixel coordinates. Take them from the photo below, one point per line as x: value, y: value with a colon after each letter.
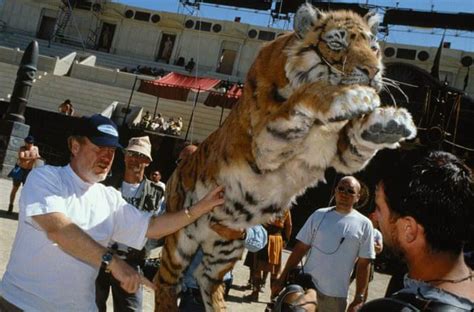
x: 136, y: 154
x: 346, y: 190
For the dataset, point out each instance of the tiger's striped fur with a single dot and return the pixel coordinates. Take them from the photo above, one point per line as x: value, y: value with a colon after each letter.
x: 309, y: 103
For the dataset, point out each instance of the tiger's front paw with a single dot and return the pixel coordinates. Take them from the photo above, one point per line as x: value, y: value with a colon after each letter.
x: 353, y: 103
x: 387, y: 126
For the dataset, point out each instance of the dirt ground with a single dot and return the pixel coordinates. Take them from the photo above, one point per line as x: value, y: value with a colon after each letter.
x: 236, y: 301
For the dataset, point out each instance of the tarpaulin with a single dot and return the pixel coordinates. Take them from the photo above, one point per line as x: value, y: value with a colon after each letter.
x: 175, y: 86
x: 225, y: 100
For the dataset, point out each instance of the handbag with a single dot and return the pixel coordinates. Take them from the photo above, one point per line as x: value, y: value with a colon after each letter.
x: 16, y: 173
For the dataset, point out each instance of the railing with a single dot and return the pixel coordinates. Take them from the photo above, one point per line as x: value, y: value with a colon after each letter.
x: 3, y: 26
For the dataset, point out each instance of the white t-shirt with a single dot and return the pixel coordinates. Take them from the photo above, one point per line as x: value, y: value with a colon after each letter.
x: 378, y: 238
x: 42, y: 277
x: 132, y: 192
x: 162, y: 200
x: 336, y: 241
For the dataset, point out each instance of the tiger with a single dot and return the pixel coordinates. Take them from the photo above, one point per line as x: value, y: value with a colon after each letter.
x: 309, y: 103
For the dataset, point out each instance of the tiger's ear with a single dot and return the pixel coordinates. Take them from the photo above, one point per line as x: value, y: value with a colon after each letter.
x: 305, y: 18
x: 373, y: 20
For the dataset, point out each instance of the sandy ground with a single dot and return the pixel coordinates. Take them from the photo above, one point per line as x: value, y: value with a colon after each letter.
x: 236, y: 301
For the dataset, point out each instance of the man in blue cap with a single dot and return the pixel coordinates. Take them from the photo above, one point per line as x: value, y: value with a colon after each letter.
x: 27, y: 156
x: 67, y: 219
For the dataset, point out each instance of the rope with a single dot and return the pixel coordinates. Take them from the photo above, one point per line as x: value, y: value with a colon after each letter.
x: 458, y: 104
x: 198, y: 58
x: 426, y: 106
x: 459, y: 146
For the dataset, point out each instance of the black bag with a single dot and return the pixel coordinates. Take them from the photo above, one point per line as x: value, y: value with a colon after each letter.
x: 150, y: 268
x: 298, y: 277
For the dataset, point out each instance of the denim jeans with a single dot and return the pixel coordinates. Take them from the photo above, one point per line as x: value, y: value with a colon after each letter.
x: 191, y: 301
x: 123, y: 301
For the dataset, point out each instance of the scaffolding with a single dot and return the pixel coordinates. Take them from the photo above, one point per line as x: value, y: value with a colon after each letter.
x: 65, y: 19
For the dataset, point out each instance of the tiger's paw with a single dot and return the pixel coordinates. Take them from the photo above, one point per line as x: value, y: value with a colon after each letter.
x: 353, y: 103
x: 387, y: 126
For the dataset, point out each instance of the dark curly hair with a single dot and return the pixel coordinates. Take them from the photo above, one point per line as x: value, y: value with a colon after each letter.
x: 437, y: 191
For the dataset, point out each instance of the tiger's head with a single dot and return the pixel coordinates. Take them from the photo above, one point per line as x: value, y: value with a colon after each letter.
x: 338, y: 46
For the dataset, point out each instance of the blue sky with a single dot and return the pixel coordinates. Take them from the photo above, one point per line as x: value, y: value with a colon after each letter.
x: 462, y: 40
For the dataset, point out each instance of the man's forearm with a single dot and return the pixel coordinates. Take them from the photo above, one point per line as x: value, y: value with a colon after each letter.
x: 79, y: 244
x: 71, y: 238
x: 362, y: 276
x: 168, y: 223
x: 298, y: 252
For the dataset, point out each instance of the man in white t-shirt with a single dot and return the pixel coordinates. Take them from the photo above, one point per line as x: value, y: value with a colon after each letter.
x: 67, y: 219
x: 335, y: 238
x: 155, y: 176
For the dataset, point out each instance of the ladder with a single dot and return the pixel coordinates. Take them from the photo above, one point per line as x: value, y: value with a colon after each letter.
x: 97, y: 8
x: 65, y: 17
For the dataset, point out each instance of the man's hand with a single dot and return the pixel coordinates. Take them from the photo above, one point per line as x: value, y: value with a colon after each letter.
x: 278, y: 285
x: 228, y: 233
x: 212, y: 199
x: 355, y: 305
x: 130, y: 279
x: 378, y: 248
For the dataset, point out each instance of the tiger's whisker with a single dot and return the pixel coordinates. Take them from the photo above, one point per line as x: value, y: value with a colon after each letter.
x: 400, y: 82
x: 391, y: 95
x: 397, y: 87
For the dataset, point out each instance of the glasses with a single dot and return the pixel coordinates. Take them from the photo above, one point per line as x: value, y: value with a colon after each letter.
x: 346, y: 190
x: 136, y: 154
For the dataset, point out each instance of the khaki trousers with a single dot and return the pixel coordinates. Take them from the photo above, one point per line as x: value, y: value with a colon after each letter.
x: 331, y: 304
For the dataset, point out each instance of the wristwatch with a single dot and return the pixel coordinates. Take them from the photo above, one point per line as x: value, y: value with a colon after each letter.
x: 106, y: 259
x: 360, y: 297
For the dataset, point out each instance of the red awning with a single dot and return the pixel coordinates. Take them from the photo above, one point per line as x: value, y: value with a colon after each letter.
x: 225, y: 100
x: 175, y: 86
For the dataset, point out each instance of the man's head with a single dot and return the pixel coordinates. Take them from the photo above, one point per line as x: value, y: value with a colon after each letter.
x: 29, y: 141
x: 137, y: 155
x: 347, y: 193
x: 92, y: 146
x: 155, y: 176
x: 426, y: 203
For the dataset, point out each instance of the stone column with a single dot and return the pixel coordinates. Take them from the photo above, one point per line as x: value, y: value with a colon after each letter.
x: 13, y: 129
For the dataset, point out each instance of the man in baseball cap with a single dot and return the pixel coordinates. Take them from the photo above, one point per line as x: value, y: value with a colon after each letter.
x: 100, y: 130
x: 67, y: 220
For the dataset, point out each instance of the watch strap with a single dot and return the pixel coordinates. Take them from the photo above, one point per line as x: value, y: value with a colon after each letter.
x: 106, y: 259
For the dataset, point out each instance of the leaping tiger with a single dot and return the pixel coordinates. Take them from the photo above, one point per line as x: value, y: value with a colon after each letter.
x: 309, y: 103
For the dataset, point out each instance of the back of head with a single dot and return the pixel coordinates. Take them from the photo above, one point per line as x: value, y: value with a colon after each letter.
x: 437, y: 191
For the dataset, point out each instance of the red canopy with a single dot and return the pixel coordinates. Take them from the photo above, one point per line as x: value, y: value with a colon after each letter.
x: 226, y: 100
x: 175, y: 86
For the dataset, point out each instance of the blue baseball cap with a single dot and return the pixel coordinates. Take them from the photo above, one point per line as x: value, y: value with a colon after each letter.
x: 30, y: 139
x: 99, y: 130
